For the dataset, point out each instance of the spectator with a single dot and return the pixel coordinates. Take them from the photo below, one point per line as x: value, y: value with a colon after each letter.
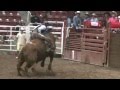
x: 113, y: 18
x: 87, y: 20
x: 21, y: 40
x: 87, y: 17
x: 69, y: 24
x: 20, y: 23
x: 35, y: 19
x: 77, y: 21
x: 94, y: 20
x: 105, y: 18
x: 69, y: 21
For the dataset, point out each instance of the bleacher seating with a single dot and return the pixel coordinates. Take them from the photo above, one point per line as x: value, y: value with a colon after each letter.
x: 9, y: 17
x: 52, y: 15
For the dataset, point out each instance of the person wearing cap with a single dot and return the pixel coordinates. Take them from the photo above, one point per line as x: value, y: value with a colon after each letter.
x: 106, y: 16
x: 21, y: 40
x: 94, y: 18
x: 77, y: 21
x: 20, y: 23
x: 69, y: 21
x: 69, y: 25
x: 113, y: 17
x: 87, y: 16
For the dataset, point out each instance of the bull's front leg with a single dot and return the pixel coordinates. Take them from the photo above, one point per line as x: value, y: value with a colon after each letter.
x: 20, y: 63
x: 50, y: 64
x: 43, y: 62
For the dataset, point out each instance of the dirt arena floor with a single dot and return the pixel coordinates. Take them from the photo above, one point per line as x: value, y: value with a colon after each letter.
x: 63, y: 69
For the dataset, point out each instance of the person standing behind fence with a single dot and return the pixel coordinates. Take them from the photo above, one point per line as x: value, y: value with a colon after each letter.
x: 94, y: 18
x: 69, y: 25
x: 112, y: 21
x: 21, y: 40
x: 87, y: 17
x: 77, y: 21
x: 21, y: 23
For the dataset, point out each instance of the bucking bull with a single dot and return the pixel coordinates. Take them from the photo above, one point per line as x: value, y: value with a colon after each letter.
x: 34, y: 52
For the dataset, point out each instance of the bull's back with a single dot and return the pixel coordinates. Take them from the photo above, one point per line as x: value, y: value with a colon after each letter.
x: 39, y: 44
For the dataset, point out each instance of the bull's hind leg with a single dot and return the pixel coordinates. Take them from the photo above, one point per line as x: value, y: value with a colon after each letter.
x: 20, y: 63
x: 50, y: 64
x: 34, y: 67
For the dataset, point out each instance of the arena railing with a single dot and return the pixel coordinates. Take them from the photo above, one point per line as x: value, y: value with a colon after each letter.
x: 12, y: 38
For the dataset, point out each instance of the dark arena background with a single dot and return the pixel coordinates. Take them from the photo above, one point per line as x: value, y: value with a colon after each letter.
x: 92, y: 53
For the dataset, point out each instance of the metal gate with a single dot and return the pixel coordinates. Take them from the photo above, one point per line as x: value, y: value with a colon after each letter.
x: 10, y: 33
x: 88, y: 46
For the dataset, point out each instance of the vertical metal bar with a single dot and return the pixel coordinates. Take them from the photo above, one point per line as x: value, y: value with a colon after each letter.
x: 62, y: 37
x: 10, y: 38
x: 28, y: 16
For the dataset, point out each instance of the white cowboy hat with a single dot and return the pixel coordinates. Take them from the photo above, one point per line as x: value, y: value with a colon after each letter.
x: 78, y: 12
x: 114, y: 12
x: 93, y: 14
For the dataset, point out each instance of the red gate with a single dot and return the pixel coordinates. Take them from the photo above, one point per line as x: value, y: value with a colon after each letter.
x: 88, y: 46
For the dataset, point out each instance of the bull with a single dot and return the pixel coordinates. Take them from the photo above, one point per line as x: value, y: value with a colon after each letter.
x: 34, y: 52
